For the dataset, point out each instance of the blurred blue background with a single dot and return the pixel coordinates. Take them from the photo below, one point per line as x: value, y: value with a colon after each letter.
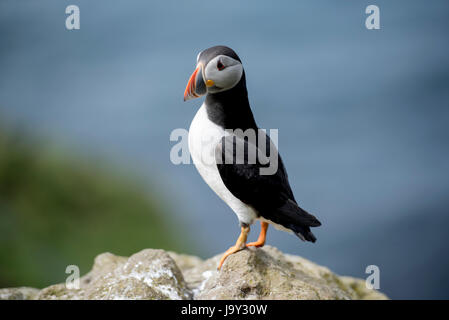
x: 362, y: 115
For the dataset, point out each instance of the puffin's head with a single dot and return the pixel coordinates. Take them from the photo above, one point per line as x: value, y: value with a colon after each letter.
x: 217, y: 69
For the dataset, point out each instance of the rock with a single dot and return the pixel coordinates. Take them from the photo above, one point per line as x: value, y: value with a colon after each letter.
x: 149, y: 274
x: 362, y: 292
x: 264, y: 273
x: 267, y: 273
x: 21, y: 293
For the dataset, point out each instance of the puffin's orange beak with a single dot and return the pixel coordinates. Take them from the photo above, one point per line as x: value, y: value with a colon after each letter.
x: 196, y: 86
x: 189, y: 93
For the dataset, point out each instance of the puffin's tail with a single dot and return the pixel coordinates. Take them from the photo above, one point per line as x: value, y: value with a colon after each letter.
x: 299, y: 221
x: 303, y: 233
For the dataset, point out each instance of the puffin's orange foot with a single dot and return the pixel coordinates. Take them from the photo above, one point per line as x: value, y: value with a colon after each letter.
x: 256, y: 244
x: 263, y: 235
x: 228, y: 252
x: 239, y: 245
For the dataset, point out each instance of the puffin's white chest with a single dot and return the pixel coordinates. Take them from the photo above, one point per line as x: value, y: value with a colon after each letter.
x: 203, y: 138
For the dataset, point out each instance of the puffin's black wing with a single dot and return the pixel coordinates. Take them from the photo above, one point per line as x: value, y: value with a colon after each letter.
x: 269, y: 194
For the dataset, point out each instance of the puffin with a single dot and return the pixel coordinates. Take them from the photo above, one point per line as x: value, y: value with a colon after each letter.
x: 223, y: 125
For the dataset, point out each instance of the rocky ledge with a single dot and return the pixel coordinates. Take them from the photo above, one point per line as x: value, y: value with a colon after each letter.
x: 264, y: 273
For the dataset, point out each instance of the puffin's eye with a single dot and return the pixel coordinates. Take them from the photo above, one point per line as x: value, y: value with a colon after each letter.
x: 220, y: 65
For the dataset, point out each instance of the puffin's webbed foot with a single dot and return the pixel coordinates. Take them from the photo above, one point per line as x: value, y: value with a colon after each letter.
x: 239, y: 245
x: 262, y: 236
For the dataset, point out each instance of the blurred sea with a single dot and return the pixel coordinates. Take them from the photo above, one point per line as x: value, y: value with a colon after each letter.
x: 362, y: 115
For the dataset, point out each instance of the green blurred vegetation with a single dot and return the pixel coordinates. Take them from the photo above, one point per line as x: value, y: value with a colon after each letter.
x: 58, y: 209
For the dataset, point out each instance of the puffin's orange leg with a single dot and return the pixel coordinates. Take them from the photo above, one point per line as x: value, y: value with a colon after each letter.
x: 239, y: 245
x: 262, y: 236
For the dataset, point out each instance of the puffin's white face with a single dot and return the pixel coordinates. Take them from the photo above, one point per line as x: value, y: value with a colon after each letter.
x: 220, y: 74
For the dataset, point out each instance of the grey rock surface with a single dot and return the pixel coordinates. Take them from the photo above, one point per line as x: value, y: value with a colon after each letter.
x: 20, y: 293
x: 149, y: 274
x: 263, y: 273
